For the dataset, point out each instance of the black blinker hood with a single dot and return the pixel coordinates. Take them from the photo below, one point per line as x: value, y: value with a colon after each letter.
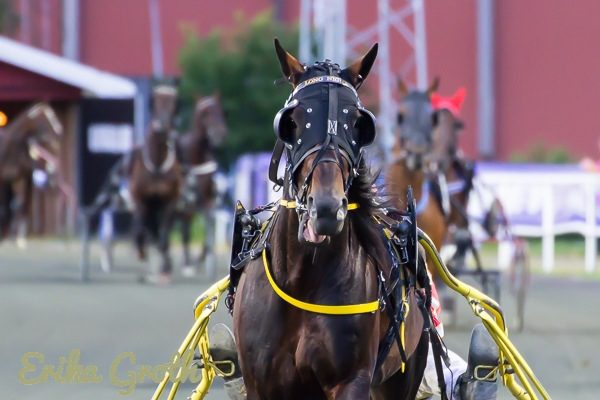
x: 330, y: 107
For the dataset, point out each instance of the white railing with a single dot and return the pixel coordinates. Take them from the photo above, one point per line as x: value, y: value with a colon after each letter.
x: 545, y: 201
x: 539, y: 200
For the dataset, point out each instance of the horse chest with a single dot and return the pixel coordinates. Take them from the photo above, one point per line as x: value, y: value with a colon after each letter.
x: 296, y: 346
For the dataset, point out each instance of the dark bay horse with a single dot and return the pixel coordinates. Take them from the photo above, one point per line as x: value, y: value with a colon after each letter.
x: 155, y: 180
x: 195, y: 150
x: 34, y: 131
x: 323, y: 247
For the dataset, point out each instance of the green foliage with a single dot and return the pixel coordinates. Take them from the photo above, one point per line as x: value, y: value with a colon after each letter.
x: 540, y: 153
x: 241, y: 66
x: 9, y: 20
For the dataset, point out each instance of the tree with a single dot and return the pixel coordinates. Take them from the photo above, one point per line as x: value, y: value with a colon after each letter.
x: 9, y: 19
x: 241, y: 66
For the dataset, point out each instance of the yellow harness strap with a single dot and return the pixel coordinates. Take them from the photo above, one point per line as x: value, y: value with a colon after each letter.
x: 318, y: 308
x: 292, y: 204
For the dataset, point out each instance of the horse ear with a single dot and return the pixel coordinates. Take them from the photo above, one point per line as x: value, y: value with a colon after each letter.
x: 402, y: 87
x: 290, y: 66
x: 434, y: 86
x: 458, y: 98
x: 359, y: 69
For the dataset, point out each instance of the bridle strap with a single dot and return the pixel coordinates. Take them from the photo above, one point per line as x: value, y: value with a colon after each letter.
x: 274, y: 164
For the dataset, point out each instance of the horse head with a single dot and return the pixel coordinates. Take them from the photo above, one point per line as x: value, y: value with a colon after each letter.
x: 325, y: 129
x: 209, y: 119
x: 164, y: 99
x: 416, y: 121
x: 38, y: 126
x: 447, y: 130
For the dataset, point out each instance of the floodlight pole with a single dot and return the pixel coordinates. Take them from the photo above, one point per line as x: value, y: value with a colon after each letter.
x: 420, y: 43
x: 328, y: 17
x: 386, y: 101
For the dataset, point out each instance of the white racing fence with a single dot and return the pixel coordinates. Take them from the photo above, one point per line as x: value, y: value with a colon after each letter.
x: 540, y: 201
x: 544, y: 201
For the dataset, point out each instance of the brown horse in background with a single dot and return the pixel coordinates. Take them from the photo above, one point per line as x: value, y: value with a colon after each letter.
x: 452, y: 173
x: 155, y: 180
x: 409, y: 165
x: 33, y: 133
x: 323, y: 252
x: 195, y: 150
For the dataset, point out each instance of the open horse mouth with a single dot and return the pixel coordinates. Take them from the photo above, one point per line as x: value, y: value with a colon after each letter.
x: 316, y: 229
x: 309, y: 233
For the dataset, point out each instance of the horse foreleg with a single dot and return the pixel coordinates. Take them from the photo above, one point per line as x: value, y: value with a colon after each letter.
x: 23, y: 207
x: 186, y: 229
x: 139, y: 232
x: 5, y: 209
x: 166, y: 223
x: 357, y: 388
x: 106, y: 238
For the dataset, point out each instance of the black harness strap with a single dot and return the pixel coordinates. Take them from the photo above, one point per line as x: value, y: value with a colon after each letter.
x: 275, y: 160
x: 436, y: 346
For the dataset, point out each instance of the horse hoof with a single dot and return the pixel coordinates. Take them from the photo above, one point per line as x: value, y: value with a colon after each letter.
x: 188, y: 271
x: 22, y: 243
x: 105, y: 264
x: 162, y: 279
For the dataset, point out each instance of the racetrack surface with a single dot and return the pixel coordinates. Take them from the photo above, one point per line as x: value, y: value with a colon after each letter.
x: 44, y: 308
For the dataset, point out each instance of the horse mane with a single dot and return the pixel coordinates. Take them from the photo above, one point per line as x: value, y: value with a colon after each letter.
x: 372, y: 200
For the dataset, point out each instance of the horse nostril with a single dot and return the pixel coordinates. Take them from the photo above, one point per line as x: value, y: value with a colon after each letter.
x: 344, y: 203
x: 343, y: 210
x: 312, y: 211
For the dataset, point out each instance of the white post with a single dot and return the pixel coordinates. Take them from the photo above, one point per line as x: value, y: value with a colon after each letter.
x: 305, y: 32
x: 385, y: 79
x: 156, y: 46
x: 548, y: 229
x: 71, y: 29
x: 330, y: 22
x: 590, y: 231
x: 420, y: 44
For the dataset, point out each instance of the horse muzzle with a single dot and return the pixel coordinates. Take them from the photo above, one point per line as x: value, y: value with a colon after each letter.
x: 326, y: 217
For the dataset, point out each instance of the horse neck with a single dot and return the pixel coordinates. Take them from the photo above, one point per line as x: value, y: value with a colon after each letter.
x: 157, y: 147
x: 401, y: 177
x: 198, y: 146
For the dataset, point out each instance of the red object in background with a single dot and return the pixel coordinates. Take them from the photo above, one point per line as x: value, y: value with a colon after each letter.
x: 453, y: 103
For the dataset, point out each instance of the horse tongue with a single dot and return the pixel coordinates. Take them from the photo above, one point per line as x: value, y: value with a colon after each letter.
x: 310, y: 235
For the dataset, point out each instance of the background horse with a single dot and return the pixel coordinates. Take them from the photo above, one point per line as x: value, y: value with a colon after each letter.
x: 195, y: 150
x: 323, y: 253
x: 409, y: 165
x: 23, y: 143
x: 452, y: 173
x: 154, y: 180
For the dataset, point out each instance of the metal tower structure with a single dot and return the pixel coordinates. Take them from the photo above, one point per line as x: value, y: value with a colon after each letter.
x: 324, y: 27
